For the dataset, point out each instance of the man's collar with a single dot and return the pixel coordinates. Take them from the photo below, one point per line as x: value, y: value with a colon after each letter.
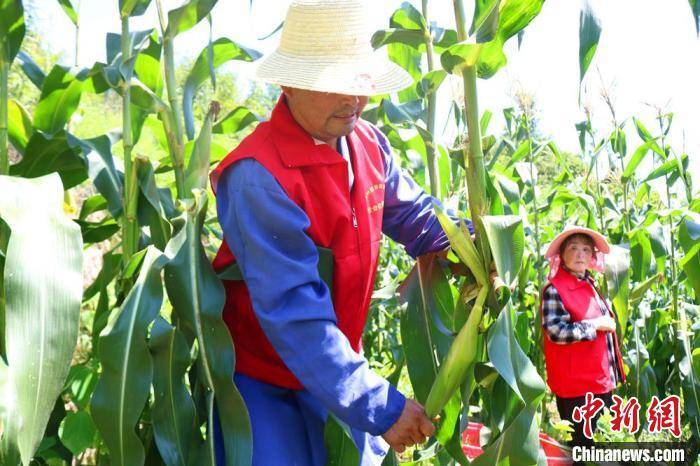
x: 296, y: 147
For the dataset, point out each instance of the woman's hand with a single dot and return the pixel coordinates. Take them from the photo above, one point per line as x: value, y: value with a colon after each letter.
x: 603, y: 323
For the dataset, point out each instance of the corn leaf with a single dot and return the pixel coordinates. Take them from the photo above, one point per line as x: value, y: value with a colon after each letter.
x: 424, y: 345
x: 236, y: 120
x: 458, y: 361
x: 340, y: 446
x: 43, y: 284
x: 197, y: 171
x: 47, y: 154
x: 198, y: 298
x: 101, y: 168
x: 185, y: 17
x: 127, y: 366
x: 588, y: 36
x: 617, y: 274
x: 19, y: 125
x: 463, y: 246
x: 12, y: 29
x: 222, y: 50
x: 507, y: 240
x: 60, y: 96
x: 689, y: 239
x: 636, y: 159
x: 173, y: 409
x: 133, y: 7
x: 69, y: 10
x: 695, y: 9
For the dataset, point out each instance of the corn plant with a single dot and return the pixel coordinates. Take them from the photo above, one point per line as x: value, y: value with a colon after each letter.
x: 148, y: 358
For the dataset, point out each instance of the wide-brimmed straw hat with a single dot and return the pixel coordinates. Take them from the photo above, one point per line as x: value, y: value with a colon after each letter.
x: 326, y: 47
x: 601, y: 244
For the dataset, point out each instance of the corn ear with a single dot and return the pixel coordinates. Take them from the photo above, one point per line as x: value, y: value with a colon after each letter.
x: 459, y: 358
x: 463, y: 246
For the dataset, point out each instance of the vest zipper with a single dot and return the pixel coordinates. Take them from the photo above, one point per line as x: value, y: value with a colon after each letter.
x: 354, y: 218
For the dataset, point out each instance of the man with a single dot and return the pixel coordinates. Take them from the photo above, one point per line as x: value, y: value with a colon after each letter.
x: 316, y: 175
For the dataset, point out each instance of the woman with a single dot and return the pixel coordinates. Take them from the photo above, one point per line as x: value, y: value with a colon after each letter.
x: 580, y: 344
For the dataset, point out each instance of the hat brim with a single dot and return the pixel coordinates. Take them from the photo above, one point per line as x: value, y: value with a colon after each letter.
x: 374, y: 75
x: 601, y: 244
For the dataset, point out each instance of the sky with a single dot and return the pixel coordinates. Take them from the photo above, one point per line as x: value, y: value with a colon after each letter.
x: 648, y: 57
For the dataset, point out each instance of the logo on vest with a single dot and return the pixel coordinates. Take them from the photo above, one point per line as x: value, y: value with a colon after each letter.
x: 378, y: 205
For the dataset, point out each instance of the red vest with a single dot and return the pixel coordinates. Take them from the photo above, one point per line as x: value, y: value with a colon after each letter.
x: 573, y: 369
x: 348, y: 222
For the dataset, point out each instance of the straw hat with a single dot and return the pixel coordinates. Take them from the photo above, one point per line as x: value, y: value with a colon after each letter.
x: 601, y: 244
x: 326, y: 47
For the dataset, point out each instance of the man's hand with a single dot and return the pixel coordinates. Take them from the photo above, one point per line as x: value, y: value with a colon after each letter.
x: 412, y: 427
x: 603, y: 323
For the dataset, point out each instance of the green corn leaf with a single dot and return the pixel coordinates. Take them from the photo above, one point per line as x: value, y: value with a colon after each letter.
x: 518, y: 444
x: 514, y: 16
x: 101, y: 169
x: 408, y: 17
x: 19, y: 125
x: 461, y: 56
x: 60, y: 96
x: 185, y: 17
x: 507, y: 240
x: 222, y: 50
x: 689, y: 239
x: 43, y: 284
x: 463, y: 246
x: 459, y: 359
x: 638, y: 291
x: 69, y: 10
x: 150, y: 205
x: 197, y: 171
x: 173, y: 409
x: 133, y: 7
x: 31, y: 69
x: 198, y: 298
x: 12, y: 29
x: 428, y: 298
x: 409, y: 37
x: 617, y: 274
x: 47, y: 154
x: 340, y: 446
x: 640, y: 254
x: 512, y: 363
x: 127, y: 366
x: 669, y: 167
x: 77, y: 431
x: 636, y: 159
x: 236, y: 120
x: 147, y: 66
x: 588, y: 36
x: 485, y: 22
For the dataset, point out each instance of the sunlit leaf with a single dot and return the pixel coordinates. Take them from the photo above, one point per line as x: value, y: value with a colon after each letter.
x: 43, y: 284
x: 12, y: 28
x: 222, y: 50
x: 588, y: 36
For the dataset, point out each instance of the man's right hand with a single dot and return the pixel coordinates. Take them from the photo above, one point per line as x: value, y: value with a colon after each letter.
x: 412, y: 427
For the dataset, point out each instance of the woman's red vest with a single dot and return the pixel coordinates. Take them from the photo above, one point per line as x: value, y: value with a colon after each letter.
x: 573, y: 369
x: 348, y: 222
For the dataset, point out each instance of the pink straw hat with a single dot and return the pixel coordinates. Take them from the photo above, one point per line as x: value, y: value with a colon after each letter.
x: 601, y: 244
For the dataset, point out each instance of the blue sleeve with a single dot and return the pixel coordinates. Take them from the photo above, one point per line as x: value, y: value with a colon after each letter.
x: 409, y: 218
x: 263, y: 226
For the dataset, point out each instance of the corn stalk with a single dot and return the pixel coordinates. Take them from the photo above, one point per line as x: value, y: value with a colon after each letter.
x: 4, y: 73
x: 174, y: 126
x: 473, y: 153
x: 431, y: 146
x: 129, y: 220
